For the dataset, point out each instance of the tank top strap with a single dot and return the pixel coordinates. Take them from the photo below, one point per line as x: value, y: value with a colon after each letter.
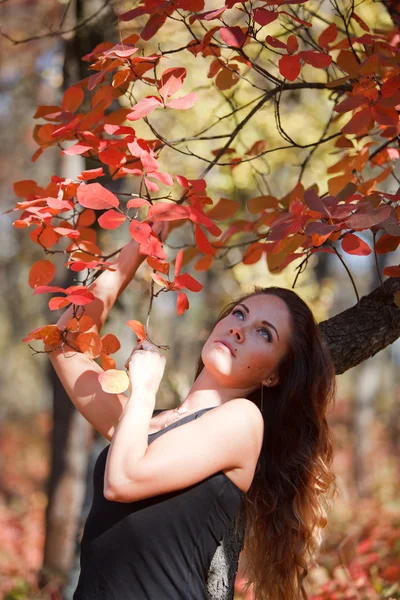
x: 194, y: 415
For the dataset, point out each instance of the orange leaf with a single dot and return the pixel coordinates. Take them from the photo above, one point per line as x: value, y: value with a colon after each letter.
x: 86, y: 218
x: 44, y: 236
x: 224, y: 209
x: 182, y: 303
x: 256, y: 148
x: 58, y: 302
x: 253, y: 254
x: 82, y: 324
x: 41, y: 273
x: 227, y: 78
x: 158, y: 265
x: 50, y: 334
x: 393, y: 271
x: 106, y: 362
x: 204, y: 263
x: 114, y: 381
x: 260, y: 203
x: 73, y: 98
x: 89, y: 344
x: 110, y: 344
x: 347, y: 62
x: 25, y: 187
x: 138, y: 328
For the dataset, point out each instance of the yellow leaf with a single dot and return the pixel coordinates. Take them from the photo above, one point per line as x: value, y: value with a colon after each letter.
x: 114, y: 381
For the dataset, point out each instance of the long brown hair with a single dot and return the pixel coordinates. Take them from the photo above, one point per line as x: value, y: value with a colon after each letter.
x: 293, y: 487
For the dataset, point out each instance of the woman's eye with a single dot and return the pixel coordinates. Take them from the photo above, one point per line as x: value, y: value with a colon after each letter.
x: 268, y: 334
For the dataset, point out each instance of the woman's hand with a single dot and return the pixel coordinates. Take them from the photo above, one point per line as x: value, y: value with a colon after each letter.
x: 162, y: 229
x: 145, y: 367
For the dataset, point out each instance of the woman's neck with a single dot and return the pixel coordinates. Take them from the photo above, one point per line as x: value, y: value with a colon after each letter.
x: 206, y: 392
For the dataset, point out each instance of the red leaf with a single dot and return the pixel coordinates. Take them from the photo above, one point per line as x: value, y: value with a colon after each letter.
x: 265, y: 17
x: 352, y: 244
x: 368, y: 219
x: 358, y: 122
x: 350, y: 104
x: 143, y: 108
x: 111, y: 219
x: 81, y: 299
x: 77, y: 149
x: 171, y: 81
x: 207, y: 16
x: 152, y: 26
x: 94, y: 195
x: 137, y: 202
x: 132, y: 14
x: 184, y: 102
x: 178, y: 262
x: 91, y: 174
x: 186, y: 280
x: 305, y: 23
x: 275, y: 43
x: 292, y: 44
x: 385, y: 116
x: 328, y: 35
x: 233, y: 36
x: 45, y: 289
x: 316, y: 59
x: 182, y: 303
x: 314, y: 202
x: 41, y: 273
x: 362, y: 23
x: 158, y: 265
x: 202, y: 241
x: 289, y: 66
x: 166, y: 211
x: 112, y: 157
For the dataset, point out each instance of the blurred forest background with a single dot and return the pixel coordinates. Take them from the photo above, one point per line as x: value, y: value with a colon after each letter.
x: 361, y: 556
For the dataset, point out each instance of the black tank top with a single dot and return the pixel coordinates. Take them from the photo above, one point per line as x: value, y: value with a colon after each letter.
x: 158, y: 548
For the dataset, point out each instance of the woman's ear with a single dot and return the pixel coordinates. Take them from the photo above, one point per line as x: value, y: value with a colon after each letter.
x: 271, y: 380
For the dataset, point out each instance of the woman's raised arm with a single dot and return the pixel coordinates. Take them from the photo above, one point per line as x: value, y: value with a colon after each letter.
x: 78, y: 373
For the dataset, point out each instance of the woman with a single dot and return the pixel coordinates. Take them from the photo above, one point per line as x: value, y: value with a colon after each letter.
x: 252, y: 429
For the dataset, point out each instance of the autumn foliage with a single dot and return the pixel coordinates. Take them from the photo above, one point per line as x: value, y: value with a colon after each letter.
x: 269, y: 48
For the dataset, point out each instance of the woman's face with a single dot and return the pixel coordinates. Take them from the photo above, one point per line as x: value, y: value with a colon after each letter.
x: 257, y: 330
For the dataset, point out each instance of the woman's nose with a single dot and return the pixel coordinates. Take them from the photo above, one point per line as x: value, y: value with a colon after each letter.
x: 237, y: 333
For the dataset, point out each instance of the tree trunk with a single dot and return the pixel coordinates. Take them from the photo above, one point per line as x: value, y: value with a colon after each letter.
x: 72, y: 435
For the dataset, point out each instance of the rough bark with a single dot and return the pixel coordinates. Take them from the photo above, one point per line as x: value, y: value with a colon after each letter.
x: 364, y: 329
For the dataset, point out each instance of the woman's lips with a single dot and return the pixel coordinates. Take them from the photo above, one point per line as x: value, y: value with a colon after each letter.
x: 227, y: 345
